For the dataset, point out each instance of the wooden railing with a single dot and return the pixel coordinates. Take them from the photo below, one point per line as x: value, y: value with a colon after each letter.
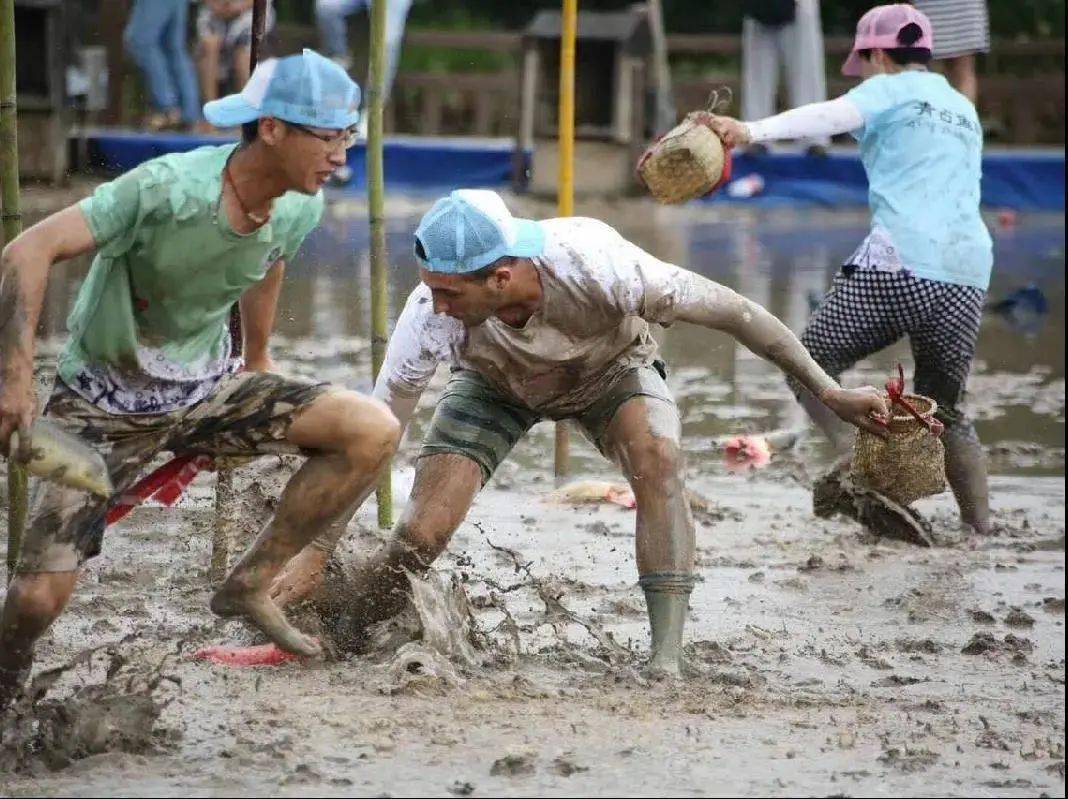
x: 1021, y: 83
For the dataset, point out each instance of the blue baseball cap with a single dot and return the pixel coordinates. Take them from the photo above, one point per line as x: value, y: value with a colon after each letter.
x: 472, y: 228
x: 308, y: 89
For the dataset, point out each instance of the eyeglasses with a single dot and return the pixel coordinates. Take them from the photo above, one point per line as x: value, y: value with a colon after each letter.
x: 346, y: 139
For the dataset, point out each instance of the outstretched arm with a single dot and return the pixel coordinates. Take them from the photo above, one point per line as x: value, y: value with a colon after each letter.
x: 715, y: 306
x: 815, y: 120
x: 23, y: 279
x: 642, y: 285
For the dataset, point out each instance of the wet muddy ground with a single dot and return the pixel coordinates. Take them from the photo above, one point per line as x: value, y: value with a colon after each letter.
x: 825, y: 662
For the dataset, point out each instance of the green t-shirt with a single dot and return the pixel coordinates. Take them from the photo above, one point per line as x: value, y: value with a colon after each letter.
x: 148, y: 331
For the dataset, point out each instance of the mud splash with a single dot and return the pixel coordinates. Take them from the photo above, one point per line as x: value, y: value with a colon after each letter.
x: 52, y: 725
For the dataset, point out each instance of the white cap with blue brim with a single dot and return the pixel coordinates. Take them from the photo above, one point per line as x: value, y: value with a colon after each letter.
x: 472, y: 228
x: 308, y: 89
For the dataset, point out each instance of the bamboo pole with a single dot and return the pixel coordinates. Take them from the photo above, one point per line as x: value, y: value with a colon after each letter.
x: 566, y: 174
x: 376, y: 191
x: 12, y: 219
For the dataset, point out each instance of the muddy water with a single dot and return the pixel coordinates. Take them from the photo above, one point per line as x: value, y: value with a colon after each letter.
x: 827, y: 663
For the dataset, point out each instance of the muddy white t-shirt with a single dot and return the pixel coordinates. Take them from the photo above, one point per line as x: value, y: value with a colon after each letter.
x: 600, y: 292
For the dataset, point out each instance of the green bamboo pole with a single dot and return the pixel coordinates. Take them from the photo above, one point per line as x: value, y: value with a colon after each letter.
x: 376, y: 191
x: 9, y: 191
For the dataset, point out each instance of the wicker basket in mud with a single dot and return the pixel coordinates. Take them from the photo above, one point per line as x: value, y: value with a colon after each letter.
x: 907, y: 465
x: 687, y: 162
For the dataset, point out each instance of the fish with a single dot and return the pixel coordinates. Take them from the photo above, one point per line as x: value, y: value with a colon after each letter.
x: 64, y: 458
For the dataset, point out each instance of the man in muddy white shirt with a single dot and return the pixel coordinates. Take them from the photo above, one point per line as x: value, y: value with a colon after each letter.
x: 551, y: 320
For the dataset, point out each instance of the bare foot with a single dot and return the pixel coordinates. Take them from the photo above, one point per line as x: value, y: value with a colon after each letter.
x: 266, y: 616
x: 300, y: 577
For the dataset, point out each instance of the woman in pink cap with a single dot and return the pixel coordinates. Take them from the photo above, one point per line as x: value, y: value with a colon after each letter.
x: 924, y: 267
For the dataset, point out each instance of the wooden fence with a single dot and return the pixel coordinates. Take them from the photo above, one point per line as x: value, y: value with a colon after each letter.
x: 1021, y: 83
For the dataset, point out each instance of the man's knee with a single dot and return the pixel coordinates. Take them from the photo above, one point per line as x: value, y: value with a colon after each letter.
x: 361, y: 427
x: 653, y: 462
x: 36, y: 600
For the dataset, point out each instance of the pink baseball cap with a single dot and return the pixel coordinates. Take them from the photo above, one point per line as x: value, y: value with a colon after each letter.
x: 878, y: 29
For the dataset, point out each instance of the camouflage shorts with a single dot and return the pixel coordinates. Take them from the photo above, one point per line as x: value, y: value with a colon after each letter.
x: 476, y: 420
x: 248, y: 414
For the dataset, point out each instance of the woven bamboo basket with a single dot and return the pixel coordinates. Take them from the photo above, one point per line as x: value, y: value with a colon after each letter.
x: 687, y: 162
x: 907, y: 465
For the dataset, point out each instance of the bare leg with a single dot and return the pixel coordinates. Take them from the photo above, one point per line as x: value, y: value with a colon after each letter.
x: 445, y: 486
x: 241, y: 67
x: 33, y: 602
x: 966, y: 473
x: 208, y: 66
x: 354, y: 437
x: 962, y: 75
x: 644, y: 438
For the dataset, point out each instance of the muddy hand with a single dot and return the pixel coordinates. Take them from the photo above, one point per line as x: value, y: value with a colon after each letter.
x: 17, y: 408
x: 732, y: 132
x: 866, y: 408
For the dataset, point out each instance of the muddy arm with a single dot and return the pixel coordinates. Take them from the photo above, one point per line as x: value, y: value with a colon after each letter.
x: 715, y: 306
x: 23, y: 278
x: 410, y: 360
x: 712, y: 305
x: 259, y: 304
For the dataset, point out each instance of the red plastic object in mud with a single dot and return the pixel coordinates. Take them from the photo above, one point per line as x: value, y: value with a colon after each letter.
x: 742, y: 453
x: 240, y: 656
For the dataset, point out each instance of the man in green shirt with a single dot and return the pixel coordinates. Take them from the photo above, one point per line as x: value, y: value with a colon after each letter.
x: 148, y: 366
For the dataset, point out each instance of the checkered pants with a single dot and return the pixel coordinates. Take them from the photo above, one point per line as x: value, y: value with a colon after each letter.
x: 867, y: 310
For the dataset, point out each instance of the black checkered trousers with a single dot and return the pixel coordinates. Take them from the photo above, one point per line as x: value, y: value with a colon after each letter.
x: 867, y: 310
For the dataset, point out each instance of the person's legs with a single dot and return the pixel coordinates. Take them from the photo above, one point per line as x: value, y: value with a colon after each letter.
x: 34, y: 600
x: 66, y: 528
x: 209, y: 48
x: 804, y: 59
x: 348, y: 438
x: 473, y: 430
x: 181, y: 65
x: 857, y: 317
x: 760, y: 70
x: 643, y: 438
x: 377, y: 588
x: 943, y: 349
x: 961, y: 70
x: 143, y: 38
x: 331, y: 17
x: 396, y: 17
x: 242, y: 67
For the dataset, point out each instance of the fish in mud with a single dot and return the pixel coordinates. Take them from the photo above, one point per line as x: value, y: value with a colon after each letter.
x: 64, y: 458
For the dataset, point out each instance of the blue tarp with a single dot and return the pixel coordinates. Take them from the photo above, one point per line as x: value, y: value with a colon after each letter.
x: 1020, y: 179
x: 411, y: 163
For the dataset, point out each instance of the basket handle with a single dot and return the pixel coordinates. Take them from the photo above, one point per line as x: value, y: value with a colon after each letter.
x: 895, y: 388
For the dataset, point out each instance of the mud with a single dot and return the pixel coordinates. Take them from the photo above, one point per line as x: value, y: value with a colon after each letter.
x: 823, y: 660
